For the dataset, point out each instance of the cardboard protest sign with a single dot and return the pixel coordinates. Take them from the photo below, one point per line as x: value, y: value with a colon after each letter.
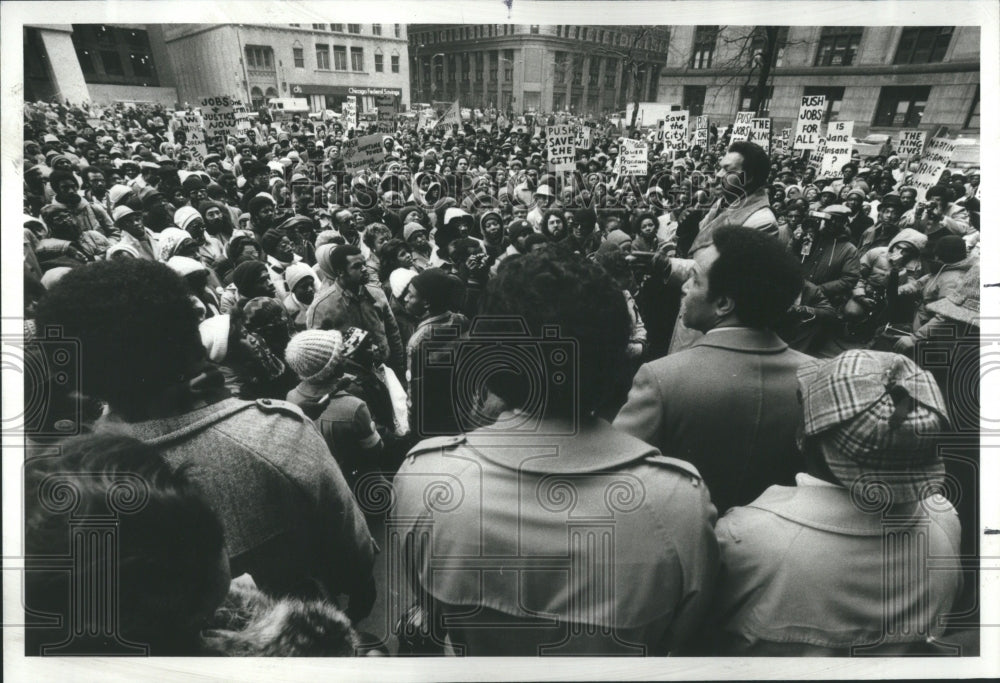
x: 838, y: 148
x: 932, y: 164
x: 760, y: 133
x: 811, y: 113
x: 349, y: 111
x: 701, y: 131
x: 634, y: 156
x: 741, y: 128
x: 785, y: 141
x: 816, y: 155
x: 219, y: 115
x: 584, y: 137
x: 560, y: 143
x: 675, y: 130
x: 360, y: 153
x: 911, y: 143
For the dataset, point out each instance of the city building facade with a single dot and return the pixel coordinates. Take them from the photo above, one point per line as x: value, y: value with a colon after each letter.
x: 98, y: 63
x: 883, y: 78
x: 322, y: 63
x: 587, y: 70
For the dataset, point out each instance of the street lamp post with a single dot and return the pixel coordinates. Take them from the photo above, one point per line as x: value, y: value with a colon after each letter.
x: 433, y: 79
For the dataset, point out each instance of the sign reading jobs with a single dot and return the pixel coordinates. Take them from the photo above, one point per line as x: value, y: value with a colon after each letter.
x: 838, y: 148
x: 219, y: 116
x: 560, y: 142
x: 811, y: 115
x: 741, y: 128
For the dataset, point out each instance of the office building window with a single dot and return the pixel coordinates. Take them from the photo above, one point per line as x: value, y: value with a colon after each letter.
x: 922, y: 45
x: 339, y: 28
x: 694, y: 99
x: 838, y: 45
x: 259, y: 57
x: 834, y: 98
x: 901, y: 106
x: 746, y: 98
x: 339, y: 58
x: 758, y: 45
x: 378, y: 63
x: 610, y: 72
x: 376, y: 29
x: 397, y: 31
x: 298, y: 56
x: 322, y: 56
x: 354, y: 28
x: 394, y: 63
x: 704, y: 47
x: 972, y: 120
x: 357, y: 59
x: 534, y: 29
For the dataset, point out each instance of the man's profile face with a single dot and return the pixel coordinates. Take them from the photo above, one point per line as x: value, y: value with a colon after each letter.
x: 697, y: 306
x: 730, y: 175
x: 355, y: 274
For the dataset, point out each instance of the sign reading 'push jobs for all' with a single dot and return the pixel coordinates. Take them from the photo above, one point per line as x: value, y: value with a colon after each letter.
x: 811, y: 115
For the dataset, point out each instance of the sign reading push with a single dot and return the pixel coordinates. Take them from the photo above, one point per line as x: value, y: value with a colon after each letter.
x: 811, y: 115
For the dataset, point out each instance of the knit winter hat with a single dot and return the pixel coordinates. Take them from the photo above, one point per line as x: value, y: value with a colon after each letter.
x: 950, y: 249
x: 120, y: 212
x: 271, y: 239
x: 314, y: 355
x: 399, y: 279
x: 246, y: 274
x: 184, y: 215
x: 182, y: 265
x: 435, y: 286
x: 410, y: 229
x: 215, y: 337
x: 294, y: 274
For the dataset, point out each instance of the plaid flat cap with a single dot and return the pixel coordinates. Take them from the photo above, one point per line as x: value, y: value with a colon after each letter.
x: 883, y: 413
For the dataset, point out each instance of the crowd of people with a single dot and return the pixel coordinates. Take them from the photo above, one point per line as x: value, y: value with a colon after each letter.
x: 719, y: 358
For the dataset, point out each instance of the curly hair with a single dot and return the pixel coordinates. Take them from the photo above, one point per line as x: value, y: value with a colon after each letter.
x: 757, y: 272
x: 169, y: 577
x: 552, y: 288
x: 756, y: 164
x: 387, y: 261
x: 136, y: 328
x: 545, y: 223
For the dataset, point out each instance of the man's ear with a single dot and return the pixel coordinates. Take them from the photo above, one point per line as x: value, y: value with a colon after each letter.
x: 724, y: 305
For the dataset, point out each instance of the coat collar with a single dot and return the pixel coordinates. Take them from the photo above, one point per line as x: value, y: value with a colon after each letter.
x: 744, y: 339
x: 828, y: 508
x: 593, y: 447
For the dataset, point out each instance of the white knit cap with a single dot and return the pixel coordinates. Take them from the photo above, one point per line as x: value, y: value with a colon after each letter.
x: 184, y: 215
x: 399, y: 279
x: 314, y: 354
x: 182, y: 265
x: 215, y: 337
x: 295, y: 272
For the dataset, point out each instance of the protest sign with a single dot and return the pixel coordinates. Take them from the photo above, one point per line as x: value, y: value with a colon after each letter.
x: 634, y: 158
x: 935, y: 158
x: 838, y: 148
x: 701, y: 131
x: 786, y: 140
x: 675, y: 130
x: 560, y: 143
x: 811, y: 114
x: 450, y: 116
x: 741, y: 128
x: 349, y: 111
x: 760, y: 133
x: 584, y: 136
x: 242, y: 114
x: 911, y: 143
x: 816, y: 155
x: 219, y: 115
x: 362, y: 152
